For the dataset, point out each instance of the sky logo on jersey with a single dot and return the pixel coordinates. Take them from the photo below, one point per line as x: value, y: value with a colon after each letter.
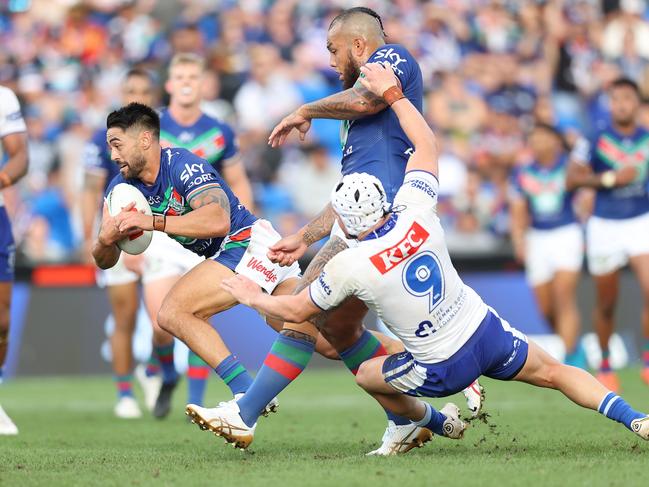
x: 391, y: 56
x: 388, y: 259
x: 190, y: 170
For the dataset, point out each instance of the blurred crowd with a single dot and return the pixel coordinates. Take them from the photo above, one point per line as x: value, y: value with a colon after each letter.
x: 492, y: 68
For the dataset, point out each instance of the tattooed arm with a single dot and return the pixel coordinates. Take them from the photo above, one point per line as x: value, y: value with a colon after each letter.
x: 353, y: 103
x: 210, y: 217
x: 293, y: 247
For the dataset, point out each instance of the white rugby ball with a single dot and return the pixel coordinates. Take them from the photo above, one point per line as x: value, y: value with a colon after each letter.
x: 120, y: 197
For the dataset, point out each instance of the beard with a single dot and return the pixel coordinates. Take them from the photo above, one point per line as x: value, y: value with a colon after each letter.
x: 350, y: 73
x: 134, y: 167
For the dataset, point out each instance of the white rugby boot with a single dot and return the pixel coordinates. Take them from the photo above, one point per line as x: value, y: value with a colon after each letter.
x: 399, y: 439
x: 150, y: 386
x: 7, y: 426
x: 271, y: 407
x: 225, y: 421
x: 640, y: 427
x: 475, y: 396
x: 453, y: 426
x: 127, y: 408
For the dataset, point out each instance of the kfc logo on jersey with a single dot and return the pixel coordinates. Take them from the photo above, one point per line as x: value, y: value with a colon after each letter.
x: 388, y: 259
x: 256, y: 265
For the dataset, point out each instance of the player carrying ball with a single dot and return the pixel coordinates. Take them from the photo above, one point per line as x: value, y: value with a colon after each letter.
x: 402, y: 270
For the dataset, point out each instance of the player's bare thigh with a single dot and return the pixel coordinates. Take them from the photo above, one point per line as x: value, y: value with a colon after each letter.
x: 199, y: 292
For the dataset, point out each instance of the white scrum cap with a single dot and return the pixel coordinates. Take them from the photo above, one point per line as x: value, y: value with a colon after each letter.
x: 359, y: 199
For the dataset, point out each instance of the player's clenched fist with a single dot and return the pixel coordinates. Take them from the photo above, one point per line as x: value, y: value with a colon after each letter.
x: 287, y: 250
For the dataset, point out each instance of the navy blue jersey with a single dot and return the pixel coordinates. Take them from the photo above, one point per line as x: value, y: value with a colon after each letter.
x: 208, y: 138
x: 611, y: 150
x: 183, y: 175
x: 377, y: 144
x: 96, y: 157
x: 544, y: 189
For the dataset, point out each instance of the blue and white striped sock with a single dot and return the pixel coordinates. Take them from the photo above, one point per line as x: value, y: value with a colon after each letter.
x: 616, y: 408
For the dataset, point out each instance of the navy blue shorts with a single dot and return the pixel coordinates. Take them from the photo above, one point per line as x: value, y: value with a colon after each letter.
x: 495, y: 350
x: 7, y: 248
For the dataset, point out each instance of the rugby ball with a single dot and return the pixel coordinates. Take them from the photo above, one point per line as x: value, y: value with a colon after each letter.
x: 120, y: 197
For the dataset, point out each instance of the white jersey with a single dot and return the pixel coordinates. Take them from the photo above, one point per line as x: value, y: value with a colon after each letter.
x: 403, y: 272
x: 11, y: 119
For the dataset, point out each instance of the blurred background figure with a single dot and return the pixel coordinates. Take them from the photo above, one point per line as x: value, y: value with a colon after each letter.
x: 547, y: 236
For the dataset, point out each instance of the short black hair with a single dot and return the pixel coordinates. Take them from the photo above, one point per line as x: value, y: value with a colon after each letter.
x: 626, y: 83
x: 135, y: 115
x: 357, y: 10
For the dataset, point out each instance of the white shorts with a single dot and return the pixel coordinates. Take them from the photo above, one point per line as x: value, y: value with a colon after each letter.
x: 163, y: 258
x: 116, y: 275
x: 166, y: 258
x: 550, y: 251
x: 254, y: 263
x: 610, y: 243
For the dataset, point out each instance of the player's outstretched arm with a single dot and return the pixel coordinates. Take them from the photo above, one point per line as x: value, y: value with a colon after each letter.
x: 295, y: 308
x: 381, y: 80
x: 292, y: 248
x: 353, y: 103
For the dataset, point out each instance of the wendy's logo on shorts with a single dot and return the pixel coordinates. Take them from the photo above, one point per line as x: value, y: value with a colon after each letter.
x: 388, y: 259
x: 257, y: 265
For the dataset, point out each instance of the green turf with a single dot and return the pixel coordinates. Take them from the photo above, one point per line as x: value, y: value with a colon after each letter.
x: 325, y: 425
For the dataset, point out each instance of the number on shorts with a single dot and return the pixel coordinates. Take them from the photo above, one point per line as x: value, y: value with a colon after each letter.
x: 423, y: 276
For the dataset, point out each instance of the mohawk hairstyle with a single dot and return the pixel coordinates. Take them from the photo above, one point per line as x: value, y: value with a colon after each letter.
x: 342, y: 16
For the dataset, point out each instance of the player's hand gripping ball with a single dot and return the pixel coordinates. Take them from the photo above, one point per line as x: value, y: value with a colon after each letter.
x: 121, y: 197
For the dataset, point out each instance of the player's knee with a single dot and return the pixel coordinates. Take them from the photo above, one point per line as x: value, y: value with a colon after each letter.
x: 363, y: 376
x: 168, y: 317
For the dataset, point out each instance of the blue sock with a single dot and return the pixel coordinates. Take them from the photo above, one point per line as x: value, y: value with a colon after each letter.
x: 286, y: 360
x: 616, y: 408
x: 235, y: 375
x: 165, y: 354
x: 433, y: 420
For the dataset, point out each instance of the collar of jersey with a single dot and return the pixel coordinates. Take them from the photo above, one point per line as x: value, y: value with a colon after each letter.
x: 385, y: 228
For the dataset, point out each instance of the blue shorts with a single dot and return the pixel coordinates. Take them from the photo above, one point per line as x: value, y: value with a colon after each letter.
x: 7, y: 248
x: 495, y: 350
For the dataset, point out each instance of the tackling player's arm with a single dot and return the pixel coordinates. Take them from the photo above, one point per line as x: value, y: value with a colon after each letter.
x: 335, y: 283
x: 581, y: 175
x: 291, y: 248
x: 381, y: 80
x: 294, y: 308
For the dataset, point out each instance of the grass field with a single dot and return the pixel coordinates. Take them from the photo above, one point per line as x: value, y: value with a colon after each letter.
x: 325, y: 425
